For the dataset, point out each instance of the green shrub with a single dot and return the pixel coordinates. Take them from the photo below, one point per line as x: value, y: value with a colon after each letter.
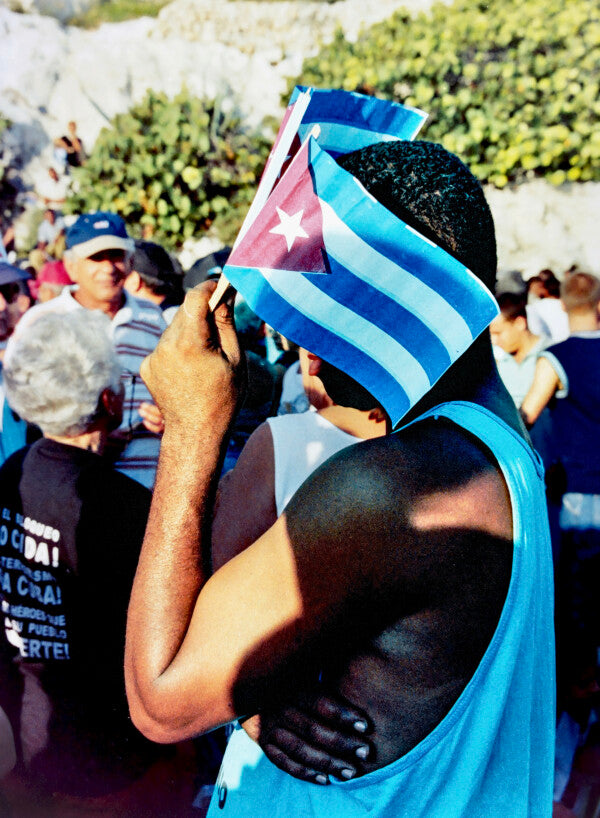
x: 513, y: 88
x: 179, y: 166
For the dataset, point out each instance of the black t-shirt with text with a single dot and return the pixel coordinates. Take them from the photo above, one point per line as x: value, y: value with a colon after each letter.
x: 71, y: 529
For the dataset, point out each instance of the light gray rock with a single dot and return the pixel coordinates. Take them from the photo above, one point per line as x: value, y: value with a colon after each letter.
x: 539, y: 225
x: 277, y: 30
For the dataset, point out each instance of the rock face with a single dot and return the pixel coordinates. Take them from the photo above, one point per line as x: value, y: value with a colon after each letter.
x: 241, y: 52
x: 539, y: 225
x: 277, y: 30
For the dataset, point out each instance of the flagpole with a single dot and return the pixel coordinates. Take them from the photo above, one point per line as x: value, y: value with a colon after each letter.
x: 223, y: 283
x: 276, y: 162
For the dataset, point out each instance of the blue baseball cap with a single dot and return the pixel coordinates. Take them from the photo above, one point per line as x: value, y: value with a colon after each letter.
x: 93, y: 232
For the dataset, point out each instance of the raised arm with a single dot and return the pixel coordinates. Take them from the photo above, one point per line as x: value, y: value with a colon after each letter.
x: 199, y: 651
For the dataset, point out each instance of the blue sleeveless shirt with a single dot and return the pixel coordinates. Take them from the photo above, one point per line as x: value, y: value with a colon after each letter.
x: 492, y: 756
x: 575, y: 414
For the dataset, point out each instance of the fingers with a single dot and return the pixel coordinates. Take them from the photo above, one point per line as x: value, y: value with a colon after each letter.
x: 225, y: 325
x: 290, y: 753
x: 151, y: 417
x: 291, y: 767
x: 194, y: 312
x: 331, y: 738
x: 221, y: 322
x: 340, y: 713
x: 322, y: 737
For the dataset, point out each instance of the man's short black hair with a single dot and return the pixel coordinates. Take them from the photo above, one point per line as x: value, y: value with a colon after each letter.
x: 512, y: 306
x: 431, y: 190
x: 156, y: 269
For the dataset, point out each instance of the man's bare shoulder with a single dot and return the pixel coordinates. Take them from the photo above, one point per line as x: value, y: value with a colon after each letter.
x: 410, y: 502
x: 390, y: 474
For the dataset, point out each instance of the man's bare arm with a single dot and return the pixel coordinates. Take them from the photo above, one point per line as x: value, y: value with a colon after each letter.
x: 199, y: 651
x: 545, y: 383
x: 245, y: 506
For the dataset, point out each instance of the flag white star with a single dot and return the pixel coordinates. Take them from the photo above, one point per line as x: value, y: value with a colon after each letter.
x: 289, y: 227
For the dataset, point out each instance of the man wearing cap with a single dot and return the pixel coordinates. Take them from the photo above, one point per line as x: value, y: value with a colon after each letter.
x: 97, y: 256
x: 411, y: 574
x: 153, y: 277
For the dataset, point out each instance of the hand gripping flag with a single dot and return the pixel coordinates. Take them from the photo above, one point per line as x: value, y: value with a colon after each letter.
x: 337, y: 273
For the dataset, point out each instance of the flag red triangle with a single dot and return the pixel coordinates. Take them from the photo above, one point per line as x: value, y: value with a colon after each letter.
x: 294, y: 213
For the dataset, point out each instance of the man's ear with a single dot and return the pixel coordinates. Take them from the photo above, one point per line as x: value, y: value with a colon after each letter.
x: 314, y: 364
x: 112, y: 403
x: 133, y: 282
x: 71, y: 267
x: 522, y: 325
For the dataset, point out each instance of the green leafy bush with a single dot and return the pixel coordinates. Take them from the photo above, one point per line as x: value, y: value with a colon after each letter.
x: 513, y: 88
x: 179, y: 166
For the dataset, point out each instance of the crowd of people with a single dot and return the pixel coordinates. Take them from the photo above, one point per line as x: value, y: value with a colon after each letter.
x: 82, y: 427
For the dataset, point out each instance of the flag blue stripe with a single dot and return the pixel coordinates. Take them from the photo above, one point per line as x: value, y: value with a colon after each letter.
x: 300, y: 329
x: 398, y: 284
x: 378, y: 228
x: 298, y: 291
x: 345, y: 107
x: 360, y: 296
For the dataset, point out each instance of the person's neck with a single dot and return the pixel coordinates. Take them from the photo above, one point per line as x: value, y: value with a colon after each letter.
x: 90, y: 441
x: 473, y: 378
x: 583, y: 321
x: 363, y: 424
x: 110, y: 308
x: 148, y: 295
x: 529, y: 342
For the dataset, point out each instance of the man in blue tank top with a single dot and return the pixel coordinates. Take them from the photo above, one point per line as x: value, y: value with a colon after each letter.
x: 410, y: 576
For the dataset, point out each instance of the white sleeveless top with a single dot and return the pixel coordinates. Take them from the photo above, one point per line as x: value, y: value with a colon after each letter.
x: 301, y: 442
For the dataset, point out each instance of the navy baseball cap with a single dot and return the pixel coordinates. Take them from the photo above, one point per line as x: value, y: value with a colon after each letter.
x: 94, y: 232
x: 10, y: 274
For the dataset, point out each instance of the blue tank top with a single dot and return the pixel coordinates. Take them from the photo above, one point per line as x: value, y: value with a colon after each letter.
x: 493, y: 753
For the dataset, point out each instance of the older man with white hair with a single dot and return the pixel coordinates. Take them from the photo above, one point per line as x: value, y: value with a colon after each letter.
x: 70, y: 533
x: 97, y: 260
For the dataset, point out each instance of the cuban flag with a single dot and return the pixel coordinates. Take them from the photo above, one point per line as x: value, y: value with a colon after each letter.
x: 336, y: 272
x: 349, y: 121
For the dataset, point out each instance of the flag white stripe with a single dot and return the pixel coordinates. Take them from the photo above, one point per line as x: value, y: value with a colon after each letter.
x: 394, y: 281
x: 342, y: 138
x: 374, y: 342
